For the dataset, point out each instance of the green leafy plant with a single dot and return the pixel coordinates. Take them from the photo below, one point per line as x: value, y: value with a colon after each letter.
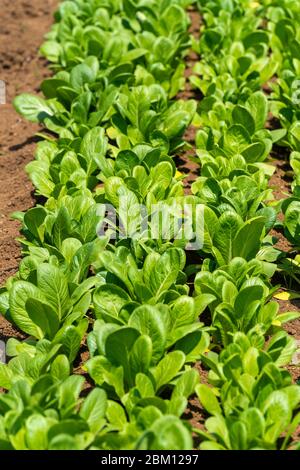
x: 250, y: 391
x: 238, y: 130
x: 50, y: 307
x: 240, y: 194
x: 241, y: 300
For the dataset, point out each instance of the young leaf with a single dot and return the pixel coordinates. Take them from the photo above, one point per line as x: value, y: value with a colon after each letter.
x: 94, y: 408
x: 168, y: 368
x: 208, y: 399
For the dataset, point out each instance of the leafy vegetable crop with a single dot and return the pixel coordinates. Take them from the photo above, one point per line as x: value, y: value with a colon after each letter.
x: 134, y: 305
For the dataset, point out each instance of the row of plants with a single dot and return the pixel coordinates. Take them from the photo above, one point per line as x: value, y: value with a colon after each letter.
x: 113, y: 128
x: 247, y: 46
x: 242, y: 46
x: 140, y: 353
x: 285, y: 107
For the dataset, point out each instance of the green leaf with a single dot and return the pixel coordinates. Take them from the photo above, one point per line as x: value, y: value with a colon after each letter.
x: 184, y: 311
x: 93, y: 148
x: 44, y: 316
x: 63, y: 442
x: 236, y: 139
x: 80, y: 75
x: 292, y: 222
x: 255, y: 423
x: 62, y: 227
x: 278, y: 414
x: 50, y: 85
x: 168, y: 368
x: 149, y: 321
x: 60, y: 368
x: 21, y: 291
x: 94, y: 408
x: 254, y: 152
x: 116, y: 415
x: 248, y: 239
x: 224, y: 241
x: 68, y: 393
x: 6, y: 376
x: 70, y: 338
x: 245, y: 297
x: 238, y: 436
x: 169, y: 434
x: 186, y: 384
x: 141, y: 355
x: 118, y: 346
x: 36, y: 432
x: 144, y: 385
x: 33, y: 108
x: 51, y: 50
x: 255, y: 38
x: 242, y: 116
x: 258, y: 108
x: 166, y: 271
x: 34, y: 219
x: 53, y: 283
x: 109, y: 299
x: 208, y: 399
x: 102, y: 371
x: 211, y: 445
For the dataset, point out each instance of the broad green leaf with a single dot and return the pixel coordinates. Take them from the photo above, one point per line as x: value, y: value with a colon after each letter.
x: 168, y: 368
x: 166, y: 271
x: 258, y: 107
x: 169, y: 434
x: 71, y: 339
x: 245, y: 297
x: 68, y: 393
x: 60, y: 367
x: 243, y: 117
x: 43, y: 315
x: 94, y: 408
x: 32, y: 107
x: 36, y: 432
x: 148, y: 321
x: 34, y: 219
x: 186, y: 384
x: 255, y: 423
x: 53, y: 283
x: 292, y: 222
x: 236, y: 139
x: 141, y: 355
x: 6, y: 376
x: 248, y: 239
x: 80, y: 75
x: 63, y: 442
x: 21, y: 291
x: 254, y: 152
x: 109, y: 299
x: 116, y: 415
x: 208, y: 399
x: 224, y: 240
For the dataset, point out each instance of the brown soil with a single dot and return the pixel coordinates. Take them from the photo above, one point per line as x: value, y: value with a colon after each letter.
x: 22, y: 26
x: 184, y: 163
x: 280, y: 183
